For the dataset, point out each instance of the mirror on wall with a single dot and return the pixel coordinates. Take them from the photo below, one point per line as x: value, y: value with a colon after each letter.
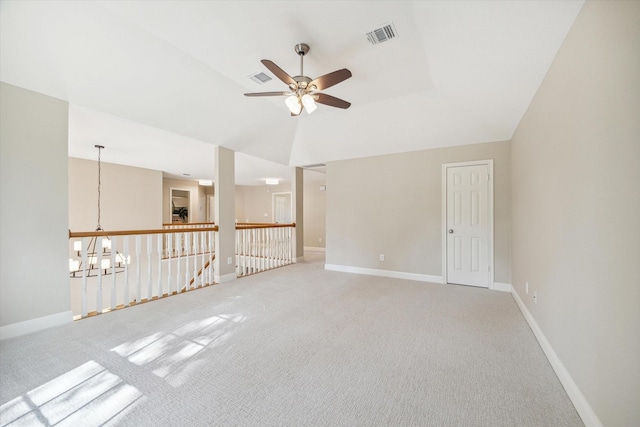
x: 180, y: 202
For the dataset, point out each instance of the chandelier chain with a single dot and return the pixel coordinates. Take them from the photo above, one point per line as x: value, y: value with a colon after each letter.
x: 99, y: 147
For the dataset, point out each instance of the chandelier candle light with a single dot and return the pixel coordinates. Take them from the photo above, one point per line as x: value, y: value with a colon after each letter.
x: 98, y: 262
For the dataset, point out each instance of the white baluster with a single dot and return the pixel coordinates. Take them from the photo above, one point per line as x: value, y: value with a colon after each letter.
x: 138, y: 264
x: 160, y: 290
x: 238, y: 252
x: 270, y: 250
x: 186, y: 268
x: 83, y: 304
x: 195, y: 259
x: 149, y: 273
x: 99, y: 267
x: 126, y: 257
x: 254, y: 252
x: 113, y: 273
x: 259, y: 249
x: 289, y: 243
x: 202, y: 264
x: 179, y: 254
x: 281, y: 247
x: 212, y: 247
x: 169, y: 260
x: 277, y: 246
x: 247, y: 250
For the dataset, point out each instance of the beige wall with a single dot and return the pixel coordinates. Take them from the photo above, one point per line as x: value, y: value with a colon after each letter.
x: 576, y: 208
x: 314, y: 209
x: 34, y: 206
x: 130, y: 198
x: 253, y: 203
x: 392, y: 205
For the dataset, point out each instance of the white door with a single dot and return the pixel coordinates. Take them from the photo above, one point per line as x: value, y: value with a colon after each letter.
x: 282, y: 208
x: 467, y: 225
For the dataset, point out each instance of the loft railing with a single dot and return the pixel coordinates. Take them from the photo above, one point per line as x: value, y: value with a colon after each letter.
x: 261, y: 247
x: 143, y: 265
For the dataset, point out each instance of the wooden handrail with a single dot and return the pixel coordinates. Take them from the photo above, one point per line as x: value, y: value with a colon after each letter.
x: 249, y: 225
x: 78, y: 234
x: 189, y: 223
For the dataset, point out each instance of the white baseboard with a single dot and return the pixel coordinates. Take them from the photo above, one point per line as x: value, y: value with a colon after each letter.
x: 589, y: 417
x: 299, y: 259
x: 385, y: 273
x: 502, y: 287
x: 225, y: 278
x: 33, y: 325
x: 314, y: 249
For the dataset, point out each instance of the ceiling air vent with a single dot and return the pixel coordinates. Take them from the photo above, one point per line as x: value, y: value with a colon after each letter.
x: 315, y: 166
x: 382, y: 34
x: 260, y: 78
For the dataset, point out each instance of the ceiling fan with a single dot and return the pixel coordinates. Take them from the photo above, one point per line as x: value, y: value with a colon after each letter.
x: 304, y: 92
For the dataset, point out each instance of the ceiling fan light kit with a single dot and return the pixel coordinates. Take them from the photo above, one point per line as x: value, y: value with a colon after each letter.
x: 304, y: 92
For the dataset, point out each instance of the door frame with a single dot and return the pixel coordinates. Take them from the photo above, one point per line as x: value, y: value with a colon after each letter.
x: 445, y: 166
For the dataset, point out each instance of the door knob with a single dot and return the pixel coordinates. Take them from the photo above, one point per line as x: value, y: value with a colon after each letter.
x: 450, y: 231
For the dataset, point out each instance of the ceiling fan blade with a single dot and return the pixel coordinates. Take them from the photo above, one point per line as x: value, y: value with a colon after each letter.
x: 279, y: 72
x: 332, y: 101
x: 268, y: 94
x: 330, y: 79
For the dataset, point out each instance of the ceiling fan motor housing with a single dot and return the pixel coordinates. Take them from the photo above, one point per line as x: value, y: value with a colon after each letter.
x: 302, y: 49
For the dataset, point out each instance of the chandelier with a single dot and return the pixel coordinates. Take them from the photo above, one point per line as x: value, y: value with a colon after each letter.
x: 98, y: 260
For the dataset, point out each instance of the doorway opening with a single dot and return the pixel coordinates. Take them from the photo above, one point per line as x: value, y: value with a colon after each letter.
x: 180, y: 205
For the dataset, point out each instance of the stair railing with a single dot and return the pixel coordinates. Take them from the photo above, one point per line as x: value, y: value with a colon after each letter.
x: 261, y: 247
x: 144, y: 265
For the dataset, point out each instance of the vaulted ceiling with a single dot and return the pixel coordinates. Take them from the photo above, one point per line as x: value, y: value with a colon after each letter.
x: 160, y: 83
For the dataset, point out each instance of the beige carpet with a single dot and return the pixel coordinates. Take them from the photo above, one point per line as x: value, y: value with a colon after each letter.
x: 296, y: 346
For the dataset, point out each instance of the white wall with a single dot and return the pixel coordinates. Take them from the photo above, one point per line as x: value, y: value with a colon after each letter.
x: 392, y: 205
x: 34, y: 278
x: 576, y: 208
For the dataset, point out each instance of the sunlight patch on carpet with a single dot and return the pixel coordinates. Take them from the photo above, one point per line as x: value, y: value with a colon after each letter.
x: 88, y: 395
x: 174, y: 356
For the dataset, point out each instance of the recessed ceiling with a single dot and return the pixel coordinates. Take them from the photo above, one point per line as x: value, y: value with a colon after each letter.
x: 458, y: 73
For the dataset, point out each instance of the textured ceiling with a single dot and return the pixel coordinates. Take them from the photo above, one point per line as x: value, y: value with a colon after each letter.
x: 161, y: 82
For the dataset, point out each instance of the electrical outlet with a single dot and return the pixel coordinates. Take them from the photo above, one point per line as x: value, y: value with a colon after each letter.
x: 535, y: 297
x: 381, y: 257
x: 526, y: 288
x: 229, y: 260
